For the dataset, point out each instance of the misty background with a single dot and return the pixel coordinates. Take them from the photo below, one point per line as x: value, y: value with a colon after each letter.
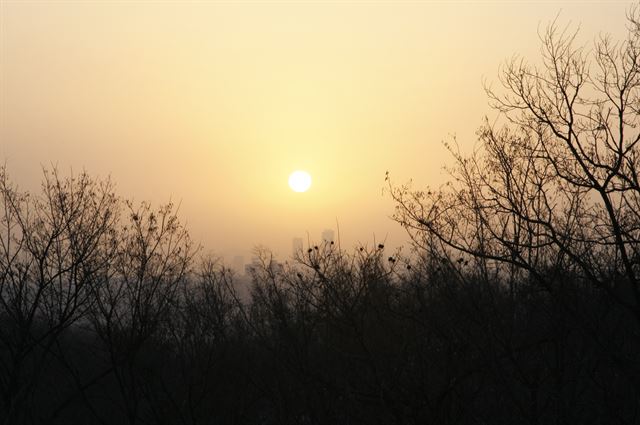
x: 213, y: 104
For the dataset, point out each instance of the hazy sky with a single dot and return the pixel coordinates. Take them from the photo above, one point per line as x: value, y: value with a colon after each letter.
x: 213, y: 104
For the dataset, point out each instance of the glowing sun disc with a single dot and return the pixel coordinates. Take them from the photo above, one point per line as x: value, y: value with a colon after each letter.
x: 299, y: 181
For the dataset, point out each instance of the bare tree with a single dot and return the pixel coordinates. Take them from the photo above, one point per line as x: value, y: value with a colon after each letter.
x: 53, y: 246
x: 556, y: 186
x: 139, y: 292
x: 551, y: 193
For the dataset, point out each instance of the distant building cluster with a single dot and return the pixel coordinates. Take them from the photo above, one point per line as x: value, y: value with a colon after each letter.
x: 256, y: 264
x: 327, y: 236
x: 241, y: 268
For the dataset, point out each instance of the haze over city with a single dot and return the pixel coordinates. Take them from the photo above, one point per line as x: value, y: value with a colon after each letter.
x: 213, y: 104
x: 319, y: 212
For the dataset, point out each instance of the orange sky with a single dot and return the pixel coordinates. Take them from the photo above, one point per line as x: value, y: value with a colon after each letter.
x: 213, y: 104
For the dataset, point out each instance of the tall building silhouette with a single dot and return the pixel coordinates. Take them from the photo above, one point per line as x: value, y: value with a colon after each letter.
x: 252, y: 267
x: 238, y: 264
x: 328, y: 235
x: 296, y: 246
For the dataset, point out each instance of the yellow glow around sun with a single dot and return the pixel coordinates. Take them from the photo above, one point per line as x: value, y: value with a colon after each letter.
x: 300, y: 181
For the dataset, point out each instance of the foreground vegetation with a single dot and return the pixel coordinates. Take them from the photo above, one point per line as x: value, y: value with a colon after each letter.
x: 106, y: 322
x: 109, y: 318
x: 519, y: 304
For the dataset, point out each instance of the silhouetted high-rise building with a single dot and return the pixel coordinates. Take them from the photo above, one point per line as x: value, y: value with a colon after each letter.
x: 257, y: 265
x: 328, y: 235
x: 238, y: 264
x: 252, y: 267
x: 297, y: 246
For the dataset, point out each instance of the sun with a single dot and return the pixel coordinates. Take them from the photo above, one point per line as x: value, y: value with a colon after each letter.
x: 300, y: 181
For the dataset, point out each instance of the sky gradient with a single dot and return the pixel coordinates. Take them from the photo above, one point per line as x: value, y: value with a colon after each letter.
x: 214, y: 104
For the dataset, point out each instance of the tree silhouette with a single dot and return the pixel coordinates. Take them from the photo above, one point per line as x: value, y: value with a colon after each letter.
x: 555, y: 187
x: 550, y: 197
x: 54, y: 248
